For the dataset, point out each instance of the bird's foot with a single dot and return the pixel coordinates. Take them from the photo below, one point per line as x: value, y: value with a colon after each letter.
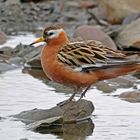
x: 65, y: 102
x: 82, y: 95
x: 81, y: 98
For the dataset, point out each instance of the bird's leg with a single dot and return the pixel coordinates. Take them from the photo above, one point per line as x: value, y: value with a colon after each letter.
x: 84, y: 92
x: 67, y: 101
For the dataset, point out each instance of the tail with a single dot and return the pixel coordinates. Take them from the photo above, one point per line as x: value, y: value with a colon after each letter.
x: 123, y: 69
x: 110, y: 73
x: 133, y: 55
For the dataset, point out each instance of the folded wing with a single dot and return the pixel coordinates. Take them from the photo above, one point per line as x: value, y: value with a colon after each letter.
x: 91, y: 55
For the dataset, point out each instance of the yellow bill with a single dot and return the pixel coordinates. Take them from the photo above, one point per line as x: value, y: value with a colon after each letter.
x: 41, y: 39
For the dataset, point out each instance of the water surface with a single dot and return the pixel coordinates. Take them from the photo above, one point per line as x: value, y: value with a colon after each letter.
x: 113, y: 118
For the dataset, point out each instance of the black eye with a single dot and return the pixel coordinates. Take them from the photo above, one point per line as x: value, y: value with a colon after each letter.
x: 46, y: 34
x: 51, y: 33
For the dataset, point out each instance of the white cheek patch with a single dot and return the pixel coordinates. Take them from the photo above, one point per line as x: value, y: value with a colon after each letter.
x: 55, y: 33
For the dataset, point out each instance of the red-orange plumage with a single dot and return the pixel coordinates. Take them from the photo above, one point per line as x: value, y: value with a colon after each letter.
x: 60, y: 68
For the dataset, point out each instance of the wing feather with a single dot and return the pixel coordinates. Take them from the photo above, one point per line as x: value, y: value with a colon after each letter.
x: 91, y: 53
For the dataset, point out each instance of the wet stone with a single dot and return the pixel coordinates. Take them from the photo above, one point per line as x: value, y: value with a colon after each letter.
x: 131, y: 96
x: 16, y: 60
x: 6, y: 51
x: 68, y: 113
x: 108, y: 86
x: 4, y: 58
x: 105, y: 87
x: 6, y: 67
x: 22, y: 50
x: 70, y: 119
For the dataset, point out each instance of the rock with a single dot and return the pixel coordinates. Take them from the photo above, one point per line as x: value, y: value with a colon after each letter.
x: 3, y: 38
x: 33, y: 63
x: 130, y: 18
x: 76, y: 111
x: 115, y: 11
x: 105, y: 87
x: 4, y: 58
x: 4, y: 63
x: 16, y: 61
x: 21, y: 50
x: 131, y: 96
x: 137, y: 74
x: 88, y: 4
x: 6, y: 51
x: 36, y: 73
x: 5, y: 67
x: 33, y: 57
x: 27, y: 52
x: 129, y: 36
x: 70, y: 119
x: 87, y: 32
x: 113, y: 30
x: 7, y: 61
x: 45, y: 123
x: 70, y: 112
x: 111, y: 85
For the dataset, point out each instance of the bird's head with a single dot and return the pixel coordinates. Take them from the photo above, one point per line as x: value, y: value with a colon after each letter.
x: 53, y: 35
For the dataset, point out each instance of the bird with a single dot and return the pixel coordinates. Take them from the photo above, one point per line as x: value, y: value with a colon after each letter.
x: 80, y: 64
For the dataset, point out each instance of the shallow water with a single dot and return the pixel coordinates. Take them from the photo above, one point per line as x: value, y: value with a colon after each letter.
x: 113, y: 118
